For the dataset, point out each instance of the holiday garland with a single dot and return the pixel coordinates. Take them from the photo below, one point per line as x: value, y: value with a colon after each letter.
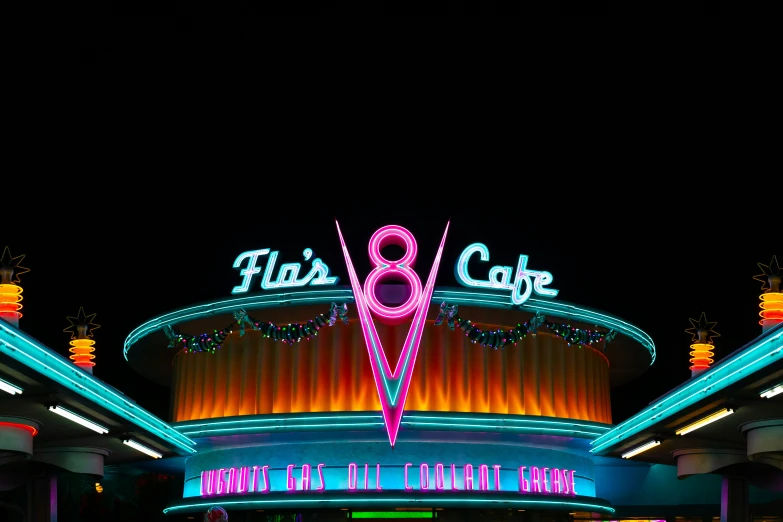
x: 501, y: 338
x: 295, y: 332
x: 291, y: 333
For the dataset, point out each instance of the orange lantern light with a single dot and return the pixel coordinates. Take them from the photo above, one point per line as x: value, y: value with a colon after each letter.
x: 10, y: 292
x: 772, y: 299
x: 81, y: 339
x: 702, y: 348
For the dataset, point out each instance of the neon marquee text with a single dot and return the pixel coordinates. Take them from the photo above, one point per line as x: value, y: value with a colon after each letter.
x: 500, y: 277
x: 417, y: 477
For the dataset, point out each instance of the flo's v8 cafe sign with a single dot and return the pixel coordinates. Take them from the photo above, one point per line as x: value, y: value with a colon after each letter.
x: 519, y: 280
x: 392, y: 384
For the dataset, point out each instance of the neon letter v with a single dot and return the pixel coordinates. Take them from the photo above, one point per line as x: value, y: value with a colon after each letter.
x: 392, y: 387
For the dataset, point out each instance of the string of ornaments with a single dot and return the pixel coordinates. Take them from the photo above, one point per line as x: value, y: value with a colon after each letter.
x: 499, y: 339
x: 291, y: 333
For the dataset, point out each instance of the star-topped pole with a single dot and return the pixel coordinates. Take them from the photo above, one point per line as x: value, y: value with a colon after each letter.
x: 772, y: 299
x: 702, y: 335
x: 10, y: 291
x: 81, y: 330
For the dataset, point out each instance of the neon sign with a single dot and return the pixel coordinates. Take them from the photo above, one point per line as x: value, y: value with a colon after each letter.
x: 424, y: 477
x: 286, y: 275
x: 392, y: 387
x: 500, y: 277
x: 400, y: 269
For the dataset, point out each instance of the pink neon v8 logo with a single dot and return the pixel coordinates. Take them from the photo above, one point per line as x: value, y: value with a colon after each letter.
x: 392, y: 386
x: 400, y: 269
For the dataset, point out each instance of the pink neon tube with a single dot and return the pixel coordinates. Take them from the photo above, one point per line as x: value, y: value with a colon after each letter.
x: 392, y: 403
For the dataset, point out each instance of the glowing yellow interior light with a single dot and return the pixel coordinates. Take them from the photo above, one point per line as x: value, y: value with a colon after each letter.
x: 82, y: 352
x: 10, y: 300
x: 701, y: 356
x: 640, y: 449
x: 706, y: 420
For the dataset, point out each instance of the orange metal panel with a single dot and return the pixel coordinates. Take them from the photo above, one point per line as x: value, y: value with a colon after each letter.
x: 252, y: 375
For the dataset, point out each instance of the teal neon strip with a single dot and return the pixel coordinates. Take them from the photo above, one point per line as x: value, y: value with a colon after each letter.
x: 431, y: 421
x: 556, y: 308
x: 505, y: 419
x: 253, y: 302
x: 763, y: 351
x: 186, y: 425
x: 31, y: 353
x: 363, y: 500
x: 475, y: 298
x: 589, y: 434
x: 285, y: 426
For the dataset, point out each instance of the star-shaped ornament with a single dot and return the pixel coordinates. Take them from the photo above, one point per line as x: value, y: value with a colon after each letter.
x: 702, y: 325
x: 770, y: 270
x: 82, y: 319
x: 7, y: 261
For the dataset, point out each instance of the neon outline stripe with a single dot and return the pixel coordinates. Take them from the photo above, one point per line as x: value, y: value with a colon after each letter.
x: 495, y: 422
x: 353, y: 499
x: 617, y: 435
x: 213, y: 307
x: 322, y: 426
x: 558, y: 309
x: 15, y: 350
x: 536, y: 421
x: 401, y: 377
x: 179, y: 426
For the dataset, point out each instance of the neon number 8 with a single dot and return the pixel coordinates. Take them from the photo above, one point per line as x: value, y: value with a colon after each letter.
x: 400, y: 269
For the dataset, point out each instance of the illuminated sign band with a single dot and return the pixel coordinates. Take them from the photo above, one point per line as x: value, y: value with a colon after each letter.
x: 500, y: 277
x: 423, y: 477
x: 286, y: 275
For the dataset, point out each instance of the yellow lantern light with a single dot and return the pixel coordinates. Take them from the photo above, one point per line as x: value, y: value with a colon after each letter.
x: 10, y: 292
x: 81, y: 343
x: 702, y: 348
x: 772, y: 299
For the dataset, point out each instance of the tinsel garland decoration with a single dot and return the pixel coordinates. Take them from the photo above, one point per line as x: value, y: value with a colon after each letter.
x: 290, y: 334
x: 501, y: 338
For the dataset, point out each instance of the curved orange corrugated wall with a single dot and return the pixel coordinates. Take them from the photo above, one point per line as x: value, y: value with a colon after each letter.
x: 253, y: 375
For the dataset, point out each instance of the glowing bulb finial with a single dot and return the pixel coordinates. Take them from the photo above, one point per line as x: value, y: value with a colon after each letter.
x: 772, y: 299
x: 10, y: 292
x: 702, y: 333
x: 81, y: 339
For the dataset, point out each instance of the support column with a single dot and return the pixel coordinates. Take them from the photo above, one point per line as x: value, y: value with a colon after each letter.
x: 42, y: 499
x: 85, y: 460
x: 765, y: 441
x: 698, y: 461
x: 734, y: 505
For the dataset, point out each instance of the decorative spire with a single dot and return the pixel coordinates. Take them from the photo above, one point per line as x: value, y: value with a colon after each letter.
x: 702, y: 335
x: 772, y: 299
x: 10, y: 292
x: 81, y: 329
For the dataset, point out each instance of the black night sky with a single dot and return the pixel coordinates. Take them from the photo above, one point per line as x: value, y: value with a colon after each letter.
x: 653, y: 261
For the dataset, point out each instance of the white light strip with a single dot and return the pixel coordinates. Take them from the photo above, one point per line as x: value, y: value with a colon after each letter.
x: 144, y: 449
x: 709, y: 419
x: 772, y: 391
x: 78, y: 419
x: 643, y: 447
x: 10, y: 388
